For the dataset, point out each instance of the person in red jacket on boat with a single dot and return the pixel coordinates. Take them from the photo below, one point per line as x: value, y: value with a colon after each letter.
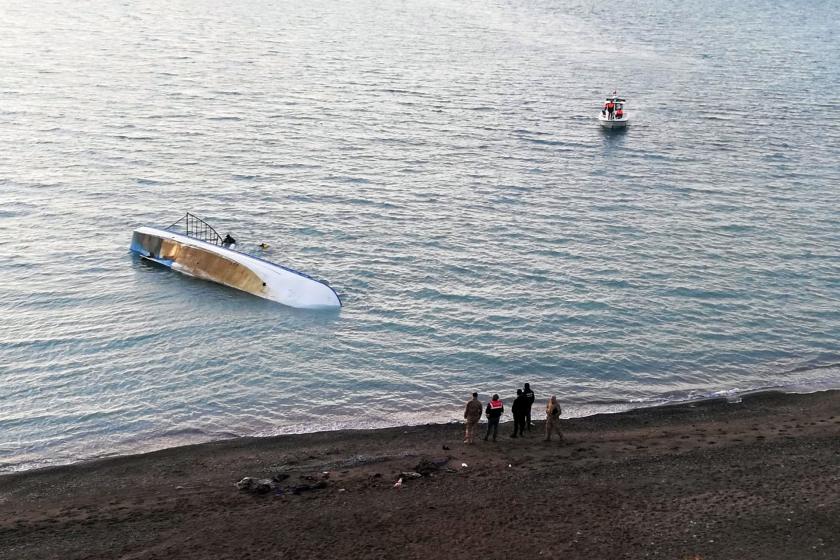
x: 494, y: 411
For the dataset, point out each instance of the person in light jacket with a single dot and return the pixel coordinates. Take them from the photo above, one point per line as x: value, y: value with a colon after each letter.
x: 552, y: 418
x: 472, y: 414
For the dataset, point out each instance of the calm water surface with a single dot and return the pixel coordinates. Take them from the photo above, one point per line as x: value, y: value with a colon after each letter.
x: 440, y: 164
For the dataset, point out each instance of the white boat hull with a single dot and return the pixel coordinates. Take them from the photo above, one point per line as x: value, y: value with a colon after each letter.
x: 612, y: 123
x: 234, y: 269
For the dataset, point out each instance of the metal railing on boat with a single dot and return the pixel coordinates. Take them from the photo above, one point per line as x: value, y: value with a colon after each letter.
x: 197, y: 228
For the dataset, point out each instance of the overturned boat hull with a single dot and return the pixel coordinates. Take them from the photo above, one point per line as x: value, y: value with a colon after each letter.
x: 208, y: 261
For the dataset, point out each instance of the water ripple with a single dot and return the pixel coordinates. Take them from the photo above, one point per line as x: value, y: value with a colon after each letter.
x: 445, y: 175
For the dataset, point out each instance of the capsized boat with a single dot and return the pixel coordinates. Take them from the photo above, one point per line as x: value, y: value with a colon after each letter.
x: 191, y: 246
x: 613, y: 115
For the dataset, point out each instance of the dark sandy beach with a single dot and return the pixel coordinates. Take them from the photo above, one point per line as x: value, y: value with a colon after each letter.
x: 758, y: 479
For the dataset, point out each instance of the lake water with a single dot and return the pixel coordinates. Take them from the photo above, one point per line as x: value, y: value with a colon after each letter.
x: 439, y: 163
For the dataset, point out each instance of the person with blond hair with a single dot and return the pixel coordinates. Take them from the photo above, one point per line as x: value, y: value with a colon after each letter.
x: 552, y: 418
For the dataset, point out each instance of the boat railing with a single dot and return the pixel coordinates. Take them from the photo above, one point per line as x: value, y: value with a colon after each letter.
x: 195, y: 227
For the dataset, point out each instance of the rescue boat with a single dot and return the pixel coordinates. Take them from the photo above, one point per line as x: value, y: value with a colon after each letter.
x: 192, y: 247
x: 617, y: 118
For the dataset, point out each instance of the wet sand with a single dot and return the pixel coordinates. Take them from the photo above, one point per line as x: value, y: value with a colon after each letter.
x: 710, y: 480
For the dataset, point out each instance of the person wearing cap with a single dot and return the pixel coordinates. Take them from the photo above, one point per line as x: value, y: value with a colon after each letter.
x: 472, y: 414
x: 529, y: 398
x: 494, y: 411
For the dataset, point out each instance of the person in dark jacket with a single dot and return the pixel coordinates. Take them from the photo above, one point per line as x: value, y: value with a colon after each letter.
x: 518, y: 410
x: 494, y: 411
x: 529, y: 397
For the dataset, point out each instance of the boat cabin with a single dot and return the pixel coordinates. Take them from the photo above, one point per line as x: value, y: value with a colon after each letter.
x: 613, y: 108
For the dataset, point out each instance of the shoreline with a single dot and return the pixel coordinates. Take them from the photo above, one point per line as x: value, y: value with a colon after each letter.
x: 711, y: 479
x: 592, y: 409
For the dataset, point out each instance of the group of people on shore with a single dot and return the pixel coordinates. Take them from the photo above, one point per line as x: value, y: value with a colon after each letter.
x: 521, y: 410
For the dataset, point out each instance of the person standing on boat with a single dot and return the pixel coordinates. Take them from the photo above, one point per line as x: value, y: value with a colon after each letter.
x: 494, y: 411
x: 529, y: 399
x: 610, y: 108
x: 472, y: 414
x: 552, y: 418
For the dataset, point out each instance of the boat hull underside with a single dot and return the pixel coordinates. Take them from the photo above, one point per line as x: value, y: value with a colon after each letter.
x: 233, y: 269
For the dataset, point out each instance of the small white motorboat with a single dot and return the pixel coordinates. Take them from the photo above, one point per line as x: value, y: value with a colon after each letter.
x: 201, y: 252
x: 613, y: 115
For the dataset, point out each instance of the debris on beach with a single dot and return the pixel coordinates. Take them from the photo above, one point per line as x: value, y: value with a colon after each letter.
x: 426, y: 467
x: 398, y: 484
x: 408, y: 475
x: 308, y: 487
x: 255, y: 485
x: 266, y: 485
